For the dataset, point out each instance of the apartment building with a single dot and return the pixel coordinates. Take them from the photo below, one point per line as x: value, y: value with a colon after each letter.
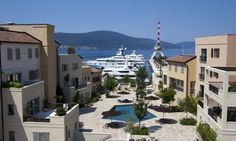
x: 181, y: 76
x: 215, y: 83
x: 70, y: 77
x: 92, y: 75
x: 24, y: 115
x: 48, y: 53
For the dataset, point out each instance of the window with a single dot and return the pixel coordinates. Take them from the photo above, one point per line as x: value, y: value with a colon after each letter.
x: 29, y: 53
x: 211, y: 74
x: 165, y: 79
x: 9, y: 54
x: 40, y: 136
x: 33, y: 74
x: 231, y: 114
x: 216, y: 75
x: 182, y: 70
x: 169, y: 67
x: 215, y: 53
x: 17, y: 53
x: 175, y: 68
x: 36, y: 53
x: 14, y: 77
x: 11, y: 135
x: 64, y: 67
x: 10, y: 109
x: 192, y: 87
x: 75, y: 66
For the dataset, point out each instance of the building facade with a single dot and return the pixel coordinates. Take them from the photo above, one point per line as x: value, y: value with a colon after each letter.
x: 70, y: 77
x: 181, y: 75
x: 92, y: 75
x: 215, y: 84
x: 24, y: 112
x: 48, y: 53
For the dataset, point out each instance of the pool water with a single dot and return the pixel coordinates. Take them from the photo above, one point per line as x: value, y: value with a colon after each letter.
x: 128, y: 113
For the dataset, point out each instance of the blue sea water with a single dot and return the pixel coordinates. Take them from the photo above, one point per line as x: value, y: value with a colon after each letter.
x: 127, y: 112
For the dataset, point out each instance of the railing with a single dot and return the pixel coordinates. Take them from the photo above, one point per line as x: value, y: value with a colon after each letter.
x: 201, y: 77
x: 200, y: 103
x: 212, y: 114
x: 34, y: 119
x: 213, y: 89
x: 203, y: 58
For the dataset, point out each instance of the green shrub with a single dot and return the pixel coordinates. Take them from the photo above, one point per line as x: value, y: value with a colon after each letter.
x: 12, y: 84
x: 188, y: 121
x: 206, y: 132
x: 176, y: 109
x: 71, y: 104
x: 60, y: 111
x: 137, y: 131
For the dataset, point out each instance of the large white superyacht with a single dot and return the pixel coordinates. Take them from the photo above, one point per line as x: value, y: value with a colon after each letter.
x: 119, y: 60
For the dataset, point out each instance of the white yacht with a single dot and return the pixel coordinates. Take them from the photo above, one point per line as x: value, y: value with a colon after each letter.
x: 121, y: 72
x: 119, y: 60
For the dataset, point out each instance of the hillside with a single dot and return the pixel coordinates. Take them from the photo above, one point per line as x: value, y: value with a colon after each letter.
x: 104, y: 40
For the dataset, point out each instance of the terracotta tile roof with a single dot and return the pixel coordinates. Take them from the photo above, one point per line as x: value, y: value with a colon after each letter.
x: 181, y: 58
x: 17, y: 37
x: 94, y: 70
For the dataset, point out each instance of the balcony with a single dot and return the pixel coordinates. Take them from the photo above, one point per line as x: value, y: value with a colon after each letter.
x: 81, y: 86
x: 214, y: 113
x: 96, y: 79
x: 201, y: 77
x: 214, y: 89
x: 203, y: 58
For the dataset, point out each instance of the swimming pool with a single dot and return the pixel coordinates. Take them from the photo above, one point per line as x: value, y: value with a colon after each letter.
x: 127, y: 113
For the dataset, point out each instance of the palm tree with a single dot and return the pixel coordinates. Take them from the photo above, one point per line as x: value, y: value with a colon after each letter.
x: 160, y: 60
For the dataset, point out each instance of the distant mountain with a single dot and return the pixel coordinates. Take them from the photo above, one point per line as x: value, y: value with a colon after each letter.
x: 104, y: 40
x: 186, y: 45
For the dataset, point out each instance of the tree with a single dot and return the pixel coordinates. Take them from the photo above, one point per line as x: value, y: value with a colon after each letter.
x: 160, y: 86
x: 109, y: 83
x: 160, y: 60
x: 189, y: 105
x: 140, y: 109
x: 60, y: 98
x: 71, y: 50
x: 141, y: 75
x: 126, y: 79
x: 140, y: 106
x: 167, y: 95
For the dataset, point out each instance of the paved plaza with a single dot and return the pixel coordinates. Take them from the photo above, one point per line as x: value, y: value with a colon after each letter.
x: 92, y: 119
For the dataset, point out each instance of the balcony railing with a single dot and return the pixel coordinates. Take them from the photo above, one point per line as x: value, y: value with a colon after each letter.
x: 214, y: 113
x: 201, y: 77
x: 214, y: 89
x: 203, y: 58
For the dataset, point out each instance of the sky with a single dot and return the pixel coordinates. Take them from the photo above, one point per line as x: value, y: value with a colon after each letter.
x: 181, y: 20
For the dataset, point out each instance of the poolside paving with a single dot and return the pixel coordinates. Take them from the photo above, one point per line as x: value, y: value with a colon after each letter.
x: 92, y: 119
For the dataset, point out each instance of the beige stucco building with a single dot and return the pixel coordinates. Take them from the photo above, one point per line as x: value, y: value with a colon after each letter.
x: 215, y: 84
x: 26, y: 116
x: 48, y: 53
x: 70, y: 77
x: 92, y: 75
x: 181, y: 75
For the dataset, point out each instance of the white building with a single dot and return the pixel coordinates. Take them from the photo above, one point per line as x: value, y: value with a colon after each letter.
x: 25, y: 115
x: 215, y: 84
x: 70, y: 77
